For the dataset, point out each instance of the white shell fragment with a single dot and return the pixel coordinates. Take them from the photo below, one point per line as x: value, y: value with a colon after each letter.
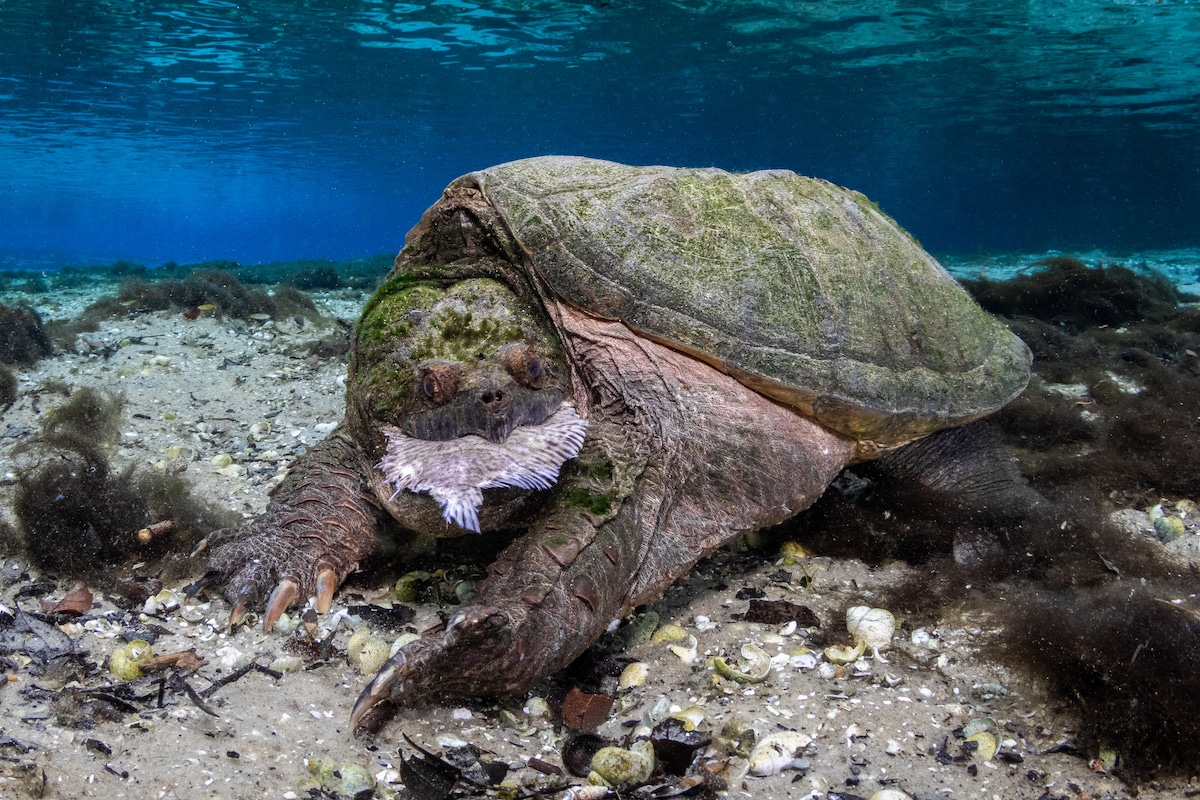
x: 455, y: 472
x: 161, y: 603
x: 874, y: 627
x: 777, y: 752
x: 842, y: 654
x: 587, y: 793
x: 633, y: 675
x: 686, y: 653
x: 691, y: 717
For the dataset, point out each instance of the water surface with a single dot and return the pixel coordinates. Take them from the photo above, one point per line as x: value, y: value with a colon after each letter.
x: 278, y: 130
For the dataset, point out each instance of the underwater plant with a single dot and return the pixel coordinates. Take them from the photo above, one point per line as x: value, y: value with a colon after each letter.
x: 8, y: 388
x: 80, y: 513
x: 23, y: 339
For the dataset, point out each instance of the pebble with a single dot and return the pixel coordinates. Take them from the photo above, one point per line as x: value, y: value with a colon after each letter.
x: 671, y: 632
x: 366, y: 651
x: 616, y: 766
x: 537, y: 707
x: 287, y: 664
x: 1169, y: 528
x: 229, y: 657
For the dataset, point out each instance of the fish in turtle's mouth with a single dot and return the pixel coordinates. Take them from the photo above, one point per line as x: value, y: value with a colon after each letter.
x: 455, y: 472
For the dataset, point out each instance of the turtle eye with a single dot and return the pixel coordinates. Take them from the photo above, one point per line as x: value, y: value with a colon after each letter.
x: 523, y: 364
x: 438, y: 381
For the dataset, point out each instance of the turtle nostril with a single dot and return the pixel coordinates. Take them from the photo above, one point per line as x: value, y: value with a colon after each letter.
x: 492, y: 397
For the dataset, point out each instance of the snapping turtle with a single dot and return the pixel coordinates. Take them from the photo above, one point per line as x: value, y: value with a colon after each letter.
x: 625, y: 367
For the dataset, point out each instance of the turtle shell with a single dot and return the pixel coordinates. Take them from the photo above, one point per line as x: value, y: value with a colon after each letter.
x: 801, y: 289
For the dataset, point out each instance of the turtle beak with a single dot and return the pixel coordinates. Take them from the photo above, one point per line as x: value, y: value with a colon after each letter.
x: 492, y: 411
x: 495, y: 414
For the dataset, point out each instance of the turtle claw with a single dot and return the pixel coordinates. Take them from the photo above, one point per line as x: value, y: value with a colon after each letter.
x: 237, y: 614
x: 327, y: 583
x: 285, y: 595
x: 378, y: 690
x: 241, y: 606
x: 462, y: 659
x: 203, y: 582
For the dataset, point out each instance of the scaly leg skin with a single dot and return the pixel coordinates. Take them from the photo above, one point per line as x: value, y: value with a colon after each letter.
x: 679, y: 459
x: 321, y: 522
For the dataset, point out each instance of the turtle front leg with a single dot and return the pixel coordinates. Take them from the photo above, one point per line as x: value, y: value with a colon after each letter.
x: 547, y: 598
x: 321, y: 522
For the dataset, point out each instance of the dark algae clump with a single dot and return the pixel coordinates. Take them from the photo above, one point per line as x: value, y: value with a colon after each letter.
x: 23, y: 339
x: 80, y: 513
x: 1067, y: 293
x: 8, y: 388
x: 223, y: 289
x: 1115, y: 406
x: 218, y: 290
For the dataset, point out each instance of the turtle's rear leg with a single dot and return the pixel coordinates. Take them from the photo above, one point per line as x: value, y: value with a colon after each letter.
x: 965, y: 470
x: 320, y: 524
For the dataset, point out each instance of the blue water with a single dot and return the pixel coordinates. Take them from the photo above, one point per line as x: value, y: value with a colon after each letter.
x: 283, y: 129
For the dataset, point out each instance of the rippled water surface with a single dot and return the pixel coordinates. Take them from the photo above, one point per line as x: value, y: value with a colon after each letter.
x: 275, y: 130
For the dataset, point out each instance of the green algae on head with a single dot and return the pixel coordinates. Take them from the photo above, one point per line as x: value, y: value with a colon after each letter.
x: 467, y: 385
x: 426, y: 352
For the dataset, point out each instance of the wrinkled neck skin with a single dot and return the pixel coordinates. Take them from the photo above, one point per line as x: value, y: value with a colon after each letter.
x: 702, y: 459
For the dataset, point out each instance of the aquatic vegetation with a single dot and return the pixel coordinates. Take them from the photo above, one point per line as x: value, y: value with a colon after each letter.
x: 210, y: 287
x: 23, y: 339
x: 320, y: 277
x: 8, y: 388
x: 79, y: 512
x: 212, y: 292
x: 1123, y: 338
x: 89, y: 414
x: 311, y: 274
x: 1069, y: 294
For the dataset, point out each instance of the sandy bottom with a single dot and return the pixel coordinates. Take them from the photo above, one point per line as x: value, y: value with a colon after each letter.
x: 199, y: 386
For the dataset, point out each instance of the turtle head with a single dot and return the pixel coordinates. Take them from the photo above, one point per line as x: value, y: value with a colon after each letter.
x: 456, y: 390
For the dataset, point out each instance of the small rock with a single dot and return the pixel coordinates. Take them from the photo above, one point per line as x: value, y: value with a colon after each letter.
x: 1168, y: 528
x: 1132, y: 521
